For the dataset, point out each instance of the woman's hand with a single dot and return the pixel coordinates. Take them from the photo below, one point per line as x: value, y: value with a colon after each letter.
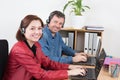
x: 77, y: 71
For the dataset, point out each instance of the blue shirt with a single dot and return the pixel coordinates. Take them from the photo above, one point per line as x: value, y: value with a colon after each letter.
x: 53, y: 47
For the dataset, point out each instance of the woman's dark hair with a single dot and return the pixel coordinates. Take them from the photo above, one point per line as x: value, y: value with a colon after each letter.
x: 24, y: 24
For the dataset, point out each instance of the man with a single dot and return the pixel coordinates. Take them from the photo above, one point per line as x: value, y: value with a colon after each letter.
x: 52, y: 43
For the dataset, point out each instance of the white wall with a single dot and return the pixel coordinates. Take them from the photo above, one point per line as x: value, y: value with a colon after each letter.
x: 102, y: 13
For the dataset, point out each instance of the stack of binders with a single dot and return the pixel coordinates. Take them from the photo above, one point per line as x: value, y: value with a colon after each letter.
x: 92, y: 43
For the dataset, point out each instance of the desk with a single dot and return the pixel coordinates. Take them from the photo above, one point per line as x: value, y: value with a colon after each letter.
x: 104, y: 75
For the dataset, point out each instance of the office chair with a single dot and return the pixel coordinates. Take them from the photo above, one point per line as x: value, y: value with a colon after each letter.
x: 3, y: 56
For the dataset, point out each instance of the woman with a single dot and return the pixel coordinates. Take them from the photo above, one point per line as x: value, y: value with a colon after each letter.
x: 27, y: 61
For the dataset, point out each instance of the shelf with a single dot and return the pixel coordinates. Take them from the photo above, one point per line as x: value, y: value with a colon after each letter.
x: 79, y: 36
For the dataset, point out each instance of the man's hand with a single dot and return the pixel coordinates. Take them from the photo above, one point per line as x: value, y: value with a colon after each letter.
x: 82, y: 54
x: 80, y: 57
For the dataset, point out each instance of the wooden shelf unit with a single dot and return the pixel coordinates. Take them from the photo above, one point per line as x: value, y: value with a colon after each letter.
x: 79, y: 35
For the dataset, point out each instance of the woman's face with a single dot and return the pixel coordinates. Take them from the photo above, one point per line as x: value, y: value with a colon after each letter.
x: 33, y: 32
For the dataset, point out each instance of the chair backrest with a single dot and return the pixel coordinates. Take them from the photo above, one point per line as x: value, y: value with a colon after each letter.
x: 3, y: 56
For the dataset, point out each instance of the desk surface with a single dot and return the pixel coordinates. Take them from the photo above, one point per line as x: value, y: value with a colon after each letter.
x: 104, y: 75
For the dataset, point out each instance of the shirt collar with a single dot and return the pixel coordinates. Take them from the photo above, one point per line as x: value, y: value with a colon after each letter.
x: 33, y: 48
x: 49, y: 32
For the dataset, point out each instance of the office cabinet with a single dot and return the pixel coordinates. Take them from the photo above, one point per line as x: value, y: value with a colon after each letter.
x: 78, y: 37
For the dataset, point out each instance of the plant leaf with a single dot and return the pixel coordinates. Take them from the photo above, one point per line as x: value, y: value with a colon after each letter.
x: 66, y: 5
x: 76, y: 6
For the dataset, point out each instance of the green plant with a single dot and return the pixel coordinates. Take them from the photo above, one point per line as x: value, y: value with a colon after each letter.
x: 77, y: 6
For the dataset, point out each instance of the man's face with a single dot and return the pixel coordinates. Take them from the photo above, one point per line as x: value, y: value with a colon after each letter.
x: 56, y: 24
